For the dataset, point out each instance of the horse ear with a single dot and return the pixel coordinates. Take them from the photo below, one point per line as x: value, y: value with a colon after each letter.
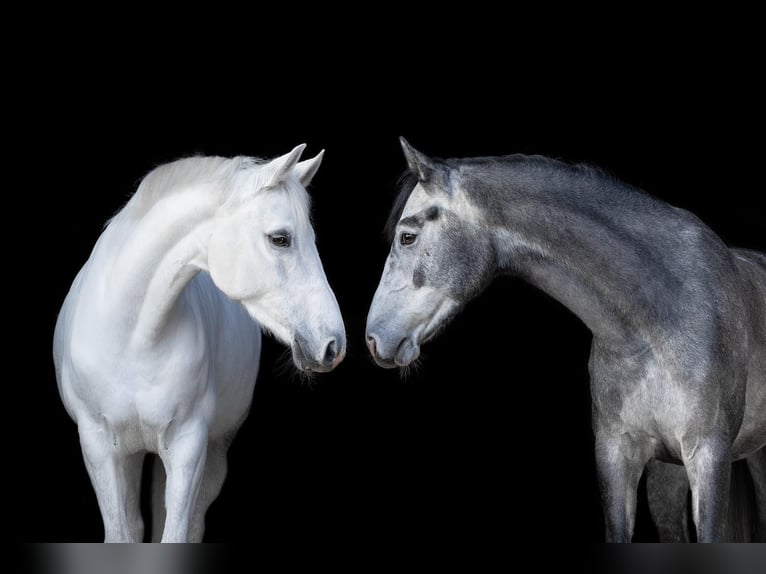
x: 307, y: 169
x: 420, y: 164
x: 278, y: 168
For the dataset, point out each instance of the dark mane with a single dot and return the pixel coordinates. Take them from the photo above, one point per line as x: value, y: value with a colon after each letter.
x: 527, y: 166
x: 579, y: 170
x: 406, y: 183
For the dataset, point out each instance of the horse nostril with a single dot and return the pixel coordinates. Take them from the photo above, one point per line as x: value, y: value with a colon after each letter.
x: 371, y: 344
x: 331, y: 352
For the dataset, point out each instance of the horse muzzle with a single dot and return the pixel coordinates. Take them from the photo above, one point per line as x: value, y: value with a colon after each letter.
x: 388, y: 355
x: 320, y: 358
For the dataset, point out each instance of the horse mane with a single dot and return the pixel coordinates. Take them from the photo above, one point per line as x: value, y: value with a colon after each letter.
x: 580, y: 172
x: 405, y: 184
x: 216, y: 174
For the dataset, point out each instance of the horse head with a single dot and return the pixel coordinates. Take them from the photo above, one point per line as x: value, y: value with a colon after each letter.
x: 262, y: 252
x: 440, y: 258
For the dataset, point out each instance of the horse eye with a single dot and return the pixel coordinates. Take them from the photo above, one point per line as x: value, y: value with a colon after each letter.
x: 280, y: 240
x: 407, y: 238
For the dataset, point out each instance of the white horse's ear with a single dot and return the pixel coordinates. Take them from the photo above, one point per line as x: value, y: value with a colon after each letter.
x: 420, y: 164
x: 278, y: 168
x: 307, y: 169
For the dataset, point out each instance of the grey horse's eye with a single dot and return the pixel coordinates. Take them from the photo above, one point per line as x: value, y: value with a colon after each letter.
x: 280, y: 240
x: 407, y: 238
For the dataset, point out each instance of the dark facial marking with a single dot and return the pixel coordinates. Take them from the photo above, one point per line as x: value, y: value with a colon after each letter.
x: 412, y: 221
x: 432, y: 213
x: 418, y: 277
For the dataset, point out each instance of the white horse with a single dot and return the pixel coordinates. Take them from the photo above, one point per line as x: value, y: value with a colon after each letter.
x: 158, y: 342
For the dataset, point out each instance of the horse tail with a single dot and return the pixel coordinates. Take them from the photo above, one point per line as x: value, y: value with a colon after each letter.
x: 741, y: 517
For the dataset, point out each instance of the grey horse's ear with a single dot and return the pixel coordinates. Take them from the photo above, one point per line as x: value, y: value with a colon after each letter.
x: 420, y: 164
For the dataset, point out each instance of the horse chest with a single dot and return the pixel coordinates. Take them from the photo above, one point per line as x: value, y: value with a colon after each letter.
x: 642, y: 399
x: 109, y: 374
x: 195, y: 370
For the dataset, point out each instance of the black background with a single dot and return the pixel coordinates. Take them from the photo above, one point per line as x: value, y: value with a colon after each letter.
x: 489, y: 439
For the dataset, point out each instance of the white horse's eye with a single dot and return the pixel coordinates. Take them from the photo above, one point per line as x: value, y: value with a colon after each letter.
x: 280, y: 240
x: 407, y: 238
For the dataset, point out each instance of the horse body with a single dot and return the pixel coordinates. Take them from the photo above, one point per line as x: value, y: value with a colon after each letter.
x: 157, y: 345
x: 678, y: 321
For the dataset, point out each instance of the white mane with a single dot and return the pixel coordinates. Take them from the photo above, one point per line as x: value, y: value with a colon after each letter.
x: 215, y: 175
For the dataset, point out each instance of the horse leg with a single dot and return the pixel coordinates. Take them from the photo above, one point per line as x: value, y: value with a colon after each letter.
x: 708, y: 467
x: 158, y: 499
x: 212, y: 481
x: 667, y: 489
x: 116, y: 478
x: 756, y: 464
x: 184, y: 459
x: 619, y: 463
x: 134, y: 466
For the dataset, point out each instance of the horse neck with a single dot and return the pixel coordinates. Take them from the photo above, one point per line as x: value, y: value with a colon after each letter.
x: 156, y: 257
x: 606, y: 254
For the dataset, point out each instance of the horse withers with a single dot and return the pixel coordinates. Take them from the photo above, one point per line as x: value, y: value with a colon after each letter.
x: 158, y: 342
x: 678, y: 359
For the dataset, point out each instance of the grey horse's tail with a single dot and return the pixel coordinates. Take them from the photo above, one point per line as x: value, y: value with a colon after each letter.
x: 740, y: 519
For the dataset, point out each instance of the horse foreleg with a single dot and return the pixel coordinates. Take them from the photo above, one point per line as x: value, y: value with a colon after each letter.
x: 116, y: 478
x: 620, y: 464
x: 210, y: 488
x: 184, y: 460
x: 667, y: 490
x: 756, y: 464
x: 708, y: 467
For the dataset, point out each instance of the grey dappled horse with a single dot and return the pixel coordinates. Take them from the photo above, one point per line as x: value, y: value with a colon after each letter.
x: 678, y: 359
